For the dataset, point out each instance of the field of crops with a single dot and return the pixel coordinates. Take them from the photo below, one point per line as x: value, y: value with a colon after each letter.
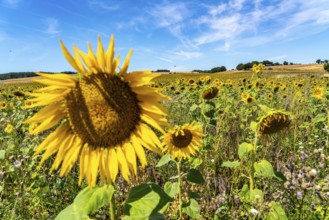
x: 264, y: 154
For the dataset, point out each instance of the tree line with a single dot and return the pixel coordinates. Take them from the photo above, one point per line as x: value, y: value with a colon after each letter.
x: 319, y: 61
x: 248, y: 66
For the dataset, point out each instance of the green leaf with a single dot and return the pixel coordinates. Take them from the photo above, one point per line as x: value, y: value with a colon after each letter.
x: 231, y: 164
x: 72, y: 212
x: 256, y: 195
x: 276, y: 212
x: 171, y: 188
x: 195, y: 176
x: 87, y: 202
x: 194, y: 195
x: 263, y: 168
x: 192, y: 208
x: 195, y: 162
x: 319, y: 118
x: 2, y: 154
x: 164, y: 160
x: 265, y: 108
x: 146, y: 201
x: 244, y: 149
x: 193, y: 107
x: 254, y: 126
x: 280, y: 176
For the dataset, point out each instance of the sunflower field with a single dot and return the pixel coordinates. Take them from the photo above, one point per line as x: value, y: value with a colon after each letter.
x: 110, y: 144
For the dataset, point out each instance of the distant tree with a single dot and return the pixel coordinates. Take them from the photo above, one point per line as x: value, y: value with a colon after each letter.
x: 291, y: 63
x: 267, y: 63
x: 326, y: 67
x: 162, y: 70
x: 318, y: 61
x: 326, y: 61
x: 285, y: 63
x: 247, y: 66
x: 218, y: 69
x: 240, y: 66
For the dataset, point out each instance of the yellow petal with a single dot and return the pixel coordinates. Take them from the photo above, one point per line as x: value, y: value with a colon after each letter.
x: 69, y: 58
x: 131, y: 157
x: 124, y: 68
x: 139, y: 151
x: 83, y: 163
x: 123, y: 164
x: 100, y: 55
x: 112, y: 162
x: 110, y: 55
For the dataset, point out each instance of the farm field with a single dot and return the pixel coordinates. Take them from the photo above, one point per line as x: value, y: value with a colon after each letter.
x: 263, y: 152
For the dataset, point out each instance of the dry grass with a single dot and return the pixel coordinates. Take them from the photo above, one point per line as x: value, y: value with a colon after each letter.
x: 19, y: 80
x: 276, y: 71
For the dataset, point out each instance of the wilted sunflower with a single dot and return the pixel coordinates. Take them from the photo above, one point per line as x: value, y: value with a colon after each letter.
x: 273, y: 122
x: 209, y: 93
x: 104, y: 115
x: 183, y: 141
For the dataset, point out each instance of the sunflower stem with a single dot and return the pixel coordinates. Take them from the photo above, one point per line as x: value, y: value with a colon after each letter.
x: 112, y: 208
x: 179, y: 190
x: 252, y: 169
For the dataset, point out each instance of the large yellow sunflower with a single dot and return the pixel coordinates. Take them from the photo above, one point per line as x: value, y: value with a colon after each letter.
x: 103, y: 115
x: 183, y: 141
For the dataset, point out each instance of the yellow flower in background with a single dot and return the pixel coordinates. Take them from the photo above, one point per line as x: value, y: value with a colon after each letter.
x: 255, y: 68
x: 9, y: 128
x: 318, y: 93
x: 3, y: 105
x: 245, y: 96
x: 183, y: 141
x: 107, y: 116
x: 32, y: 127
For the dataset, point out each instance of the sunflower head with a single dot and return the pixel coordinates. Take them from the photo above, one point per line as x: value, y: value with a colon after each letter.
x: 209, y: 93
x: 191, y: 81
x: 9, y: 128
x: 104, y: 115
x: 183, y: 141
x: 318, y: 93
x: 273, y: 122
x: 3, y: 105
x: 245, y: 96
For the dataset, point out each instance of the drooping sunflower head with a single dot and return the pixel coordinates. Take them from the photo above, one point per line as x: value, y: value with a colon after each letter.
x: 273, y: 122
x: 104, y: 115
x: 209, y: 93
x: 183, y: 141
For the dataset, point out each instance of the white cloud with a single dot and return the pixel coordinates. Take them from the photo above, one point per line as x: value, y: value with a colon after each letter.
x: 167, y: 15
x: 275, y: 58
x: 104, y: 5
x: 11, y: 3
x: 51, y: 26
x: 259, y: 22
x: 165, y: 59
x: 187, y: 54
x: 226, y: 47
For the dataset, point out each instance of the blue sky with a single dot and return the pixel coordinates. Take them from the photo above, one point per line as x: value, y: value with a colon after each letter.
x: 165, y: 34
